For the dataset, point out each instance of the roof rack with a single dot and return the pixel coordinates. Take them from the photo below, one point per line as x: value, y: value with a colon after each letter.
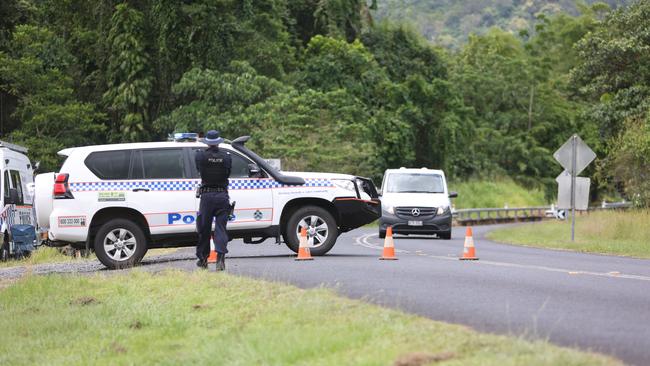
x: 14, y: 147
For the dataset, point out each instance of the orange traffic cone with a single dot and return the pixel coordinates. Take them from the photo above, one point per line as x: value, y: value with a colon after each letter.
x: 213, y: 254
x: 389, y: 246
x: 469, y: 252
x: 303, y: 249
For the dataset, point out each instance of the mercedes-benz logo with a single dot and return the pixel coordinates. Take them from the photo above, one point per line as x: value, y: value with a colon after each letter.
x: 415, y: 212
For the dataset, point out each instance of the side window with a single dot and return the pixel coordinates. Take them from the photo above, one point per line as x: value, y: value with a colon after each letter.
x: 17, y: 183
x: 163, y: 163
x: 110, y: 164
x: 6, y: 184
x: 239, y: 167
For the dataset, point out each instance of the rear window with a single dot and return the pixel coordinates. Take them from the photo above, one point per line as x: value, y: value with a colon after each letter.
x: 163, y: 163
x: 110, y: 164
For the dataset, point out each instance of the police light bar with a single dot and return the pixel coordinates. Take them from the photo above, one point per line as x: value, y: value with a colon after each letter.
x: 186, y: 137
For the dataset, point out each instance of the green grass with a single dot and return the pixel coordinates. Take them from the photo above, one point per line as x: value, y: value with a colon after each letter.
x: 53, y: 255
x: 180, y: 318
x: 624, y: 233
x: 497, y: 193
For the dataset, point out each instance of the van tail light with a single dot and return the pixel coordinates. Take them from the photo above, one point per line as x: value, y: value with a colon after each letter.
x: 61, y: 188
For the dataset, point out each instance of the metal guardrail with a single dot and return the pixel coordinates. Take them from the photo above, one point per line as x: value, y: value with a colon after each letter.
x: 515, y: 214
x: 501, y: 214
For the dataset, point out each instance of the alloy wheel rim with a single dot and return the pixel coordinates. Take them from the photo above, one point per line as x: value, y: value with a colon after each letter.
x: 317, y: 230
x: 120, y: 244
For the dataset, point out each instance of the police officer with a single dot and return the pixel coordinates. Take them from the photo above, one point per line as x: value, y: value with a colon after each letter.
x: 214, y: 165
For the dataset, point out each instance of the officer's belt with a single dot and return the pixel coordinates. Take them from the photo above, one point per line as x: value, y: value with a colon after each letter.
x: 205, y: 189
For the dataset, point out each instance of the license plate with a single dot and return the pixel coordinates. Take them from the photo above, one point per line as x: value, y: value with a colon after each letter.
x: 415, y: 223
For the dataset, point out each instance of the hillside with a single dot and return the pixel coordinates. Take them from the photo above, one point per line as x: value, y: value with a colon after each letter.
x: 449, y: 22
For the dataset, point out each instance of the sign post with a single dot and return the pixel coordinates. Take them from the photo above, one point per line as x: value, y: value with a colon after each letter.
x: 574, y: 156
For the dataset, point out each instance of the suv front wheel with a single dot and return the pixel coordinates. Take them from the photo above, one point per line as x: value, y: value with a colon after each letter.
x: 322, y: 231
x: 120, y: 243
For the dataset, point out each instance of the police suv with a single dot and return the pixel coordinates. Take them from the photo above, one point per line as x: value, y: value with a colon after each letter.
x: 126, y: 198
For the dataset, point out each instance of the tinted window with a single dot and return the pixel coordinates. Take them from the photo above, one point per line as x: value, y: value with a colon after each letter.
x: 239, y: 167
x: 163, y: 163
x: 110, y: 164
x: 6, y: 184
x: 15, y: 180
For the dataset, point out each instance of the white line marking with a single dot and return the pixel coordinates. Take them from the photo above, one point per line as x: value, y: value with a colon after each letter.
x: 364, y: 242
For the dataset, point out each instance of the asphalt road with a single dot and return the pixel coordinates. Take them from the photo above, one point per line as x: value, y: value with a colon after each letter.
x: 593, y: 302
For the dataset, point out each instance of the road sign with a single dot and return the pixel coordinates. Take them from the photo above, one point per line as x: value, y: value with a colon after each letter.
x: 564, y: 192
x: 583, y: 155
x: 573, y: 192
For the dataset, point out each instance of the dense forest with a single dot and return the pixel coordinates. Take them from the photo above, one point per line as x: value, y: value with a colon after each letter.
x: 449, y: 23
x: 325, y: 86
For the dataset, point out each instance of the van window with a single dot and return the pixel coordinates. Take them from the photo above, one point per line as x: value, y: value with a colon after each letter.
x: 16, y: 182
x: 163, y: 163
x: 110, y: 164
x: 239, y: 168
x: 6, y: 184
x: 414, y: 183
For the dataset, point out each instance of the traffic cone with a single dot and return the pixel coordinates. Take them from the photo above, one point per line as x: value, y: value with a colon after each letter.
x: 213, y: 254
x: 469, y: 252
x: 303, y: 249
x: 389, y: 246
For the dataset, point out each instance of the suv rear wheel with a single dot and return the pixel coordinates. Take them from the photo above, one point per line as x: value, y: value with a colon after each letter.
x: 322, y: 231
x: 120, y: 243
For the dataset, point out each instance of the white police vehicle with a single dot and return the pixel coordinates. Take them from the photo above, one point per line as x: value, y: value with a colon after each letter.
x: 126, y: 198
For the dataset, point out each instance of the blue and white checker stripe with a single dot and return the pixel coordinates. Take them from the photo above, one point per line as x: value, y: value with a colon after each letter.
x: 188, y: 185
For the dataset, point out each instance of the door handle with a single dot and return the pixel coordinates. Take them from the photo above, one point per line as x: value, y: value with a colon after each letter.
x: 140, y: 189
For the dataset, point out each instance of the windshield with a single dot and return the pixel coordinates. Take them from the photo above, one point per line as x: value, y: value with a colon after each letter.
x: 414, y: 183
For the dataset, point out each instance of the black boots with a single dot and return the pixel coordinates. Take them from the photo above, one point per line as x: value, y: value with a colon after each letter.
x: 221, y: 262
x: 202, y: 263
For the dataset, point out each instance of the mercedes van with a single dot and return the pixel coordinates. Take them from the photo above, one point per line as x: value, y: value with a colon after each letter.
x: 416, y: 201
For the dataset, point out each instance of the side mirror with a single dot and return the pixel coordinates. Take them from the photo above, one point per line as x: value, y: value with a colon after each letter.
x: 453, y: 194
x: 254, y: 171
x: 13, y: 197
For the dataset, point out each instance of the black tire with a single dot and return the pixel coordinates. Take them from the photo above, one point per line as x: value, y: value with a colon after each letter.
x: 291, y: 230
x: 382, y: 234
x: 4, y: 249
x: 129, y: 248
x: 445, y: 235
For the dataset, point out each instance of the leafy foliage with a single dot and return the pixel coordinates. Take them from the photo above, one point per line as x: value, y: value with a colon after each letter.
x: 319, y: 84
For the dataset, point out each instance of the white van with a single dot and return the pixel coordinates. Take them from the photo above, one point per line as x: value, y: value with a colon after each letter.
x: 126, y: 198
x: 16, y: 206
x: 416, y: 201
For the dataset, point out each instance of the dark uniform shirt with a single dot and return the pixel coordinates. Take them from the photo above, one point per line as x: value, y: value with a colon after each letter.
x: 214, y: 164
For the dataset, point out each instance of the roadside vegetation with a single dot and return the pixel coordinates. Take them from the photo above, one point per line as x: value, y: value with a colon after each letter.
x: 44, y: 255
x: 324, y: 86
x: 495, y: 193
x: 624, y: 233
x: 203, y: 318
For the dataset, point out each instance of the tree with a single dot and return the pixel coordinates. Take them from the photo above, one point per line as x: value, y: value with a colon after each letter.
x: 35, y: 73
x: 128, y: 75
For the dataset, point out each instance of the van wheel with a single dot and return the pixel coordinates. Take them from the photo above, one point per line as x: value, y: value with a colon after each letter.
x: 322, y: 231
x: 120, y: 243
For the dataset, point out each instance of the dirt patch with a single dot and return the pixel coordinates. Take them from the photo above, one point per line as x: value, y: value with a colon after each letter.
x: 422, y: 358
x: 200, y: 306
x: 118, y: 348
x: 85, y: 301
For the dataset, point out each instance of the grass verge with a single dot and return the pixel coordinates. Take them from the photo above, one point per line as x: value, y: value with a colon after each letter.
x: 624, y: 233
x: 497, y: 193
x: 204, y: 318
x: 45, y: 254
